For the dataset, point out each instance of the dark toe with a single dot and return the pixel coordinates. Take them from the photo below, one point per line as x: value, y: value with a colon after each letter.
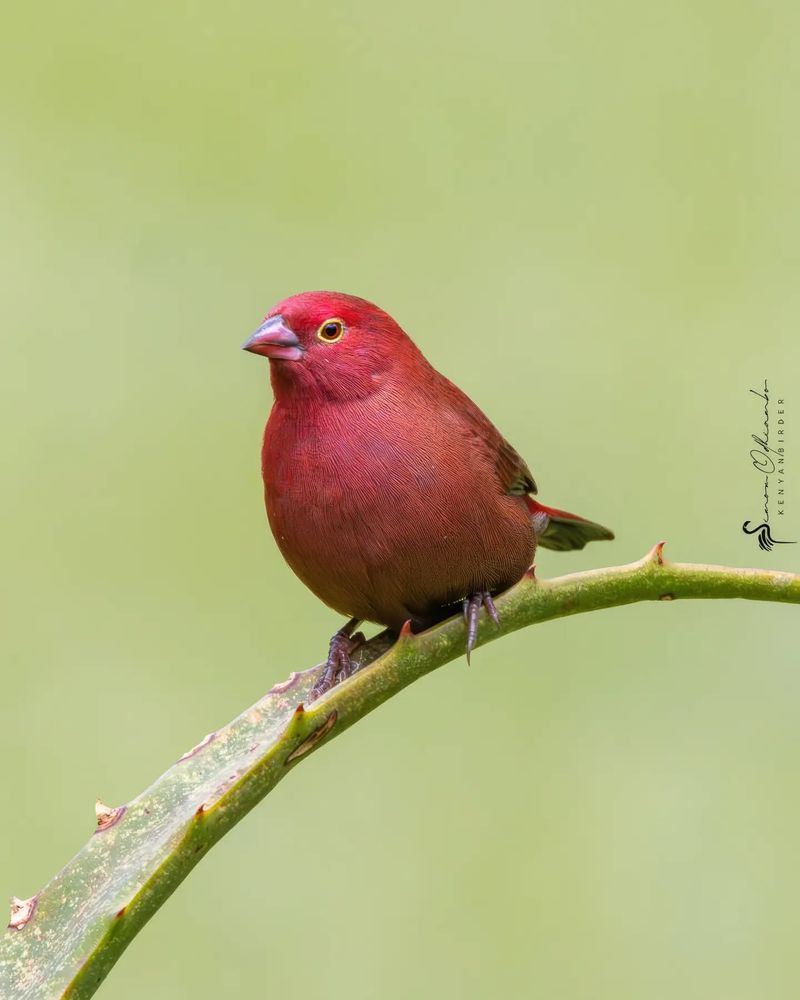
x: 472, y: 608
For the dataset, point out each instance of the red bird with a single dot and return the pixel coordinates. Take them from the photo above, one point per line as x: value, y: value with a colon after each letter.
x: 389, y: 493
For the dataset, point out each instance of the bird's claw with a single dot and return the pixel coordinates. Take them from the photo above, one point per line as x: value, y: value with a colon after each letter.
x: 472, y: 607
x: 339, y: 665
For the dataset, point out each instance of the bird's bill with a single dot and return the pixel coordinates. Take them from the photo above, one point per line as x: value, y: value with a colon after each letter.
x: 275, y: 340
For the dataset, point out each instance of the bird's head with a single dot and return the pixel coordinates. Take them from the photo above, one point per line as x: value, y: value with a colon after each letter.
x: 331, y: 344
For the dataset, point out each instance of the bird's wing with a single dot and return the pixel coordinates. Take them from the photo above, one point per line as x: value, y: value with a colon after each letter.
x: 554, y: 529
x: 514, y: 475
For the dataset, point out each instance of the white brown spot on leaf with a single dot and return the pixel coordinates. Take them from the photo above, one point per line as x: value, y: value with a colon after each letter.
x: 196, y: 749
x: 285, y: 685
x: 21, y: 912
x: 106, y: 816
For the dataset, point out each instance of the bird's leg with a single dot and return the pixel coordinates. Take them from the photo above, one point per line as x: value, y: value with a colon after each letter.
x: 472, y: 607
x: 339, y: 665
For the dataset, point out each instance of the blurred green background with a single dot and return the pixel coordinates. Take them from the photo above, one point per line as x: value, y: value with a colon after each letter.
x: 587, y: 215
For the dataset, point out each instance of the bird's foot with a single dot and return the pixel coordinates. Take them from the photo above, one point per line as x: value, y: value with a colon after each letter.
x: 472, y: 608
x: 339, y: 666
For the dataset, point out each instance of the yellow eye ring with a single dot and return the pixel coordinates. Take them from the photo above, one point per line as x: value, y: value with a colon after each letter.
x: 331, y: 331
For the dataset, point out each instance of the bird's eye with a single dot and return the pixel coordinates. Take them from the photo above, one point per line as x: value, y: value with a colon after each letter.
x: 331, y: 331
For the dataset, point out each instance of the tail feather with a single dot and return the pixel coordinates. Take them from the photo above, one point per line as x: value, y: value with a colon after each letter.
x: 562, y: 531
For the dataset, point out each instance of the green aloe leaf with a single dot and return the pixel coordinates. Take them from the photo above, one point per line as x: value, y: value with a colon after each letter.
x: 63, y: 941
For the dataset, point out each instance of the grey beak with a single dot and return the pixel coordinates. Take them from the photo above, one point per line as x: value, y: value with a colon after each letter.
x: 275, y: 340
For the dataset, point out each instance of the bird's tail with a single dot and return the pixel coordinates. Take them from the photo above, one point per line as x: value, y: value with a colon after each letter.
x: 560, y: 530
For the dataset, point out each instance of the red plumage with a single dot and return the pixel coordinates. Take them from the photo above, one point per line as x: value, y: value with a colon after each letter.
x: 390, y: 494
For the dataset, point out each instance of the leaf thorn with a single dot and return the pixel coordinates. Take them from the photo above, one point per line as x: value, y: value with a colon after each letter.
x: 311, y: 741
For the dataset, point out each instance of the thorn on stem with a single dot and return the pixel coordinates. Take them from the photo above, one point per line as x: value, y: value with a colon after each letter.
x: 405, y: 631
x: 311, y: 741
x: 657, y: 553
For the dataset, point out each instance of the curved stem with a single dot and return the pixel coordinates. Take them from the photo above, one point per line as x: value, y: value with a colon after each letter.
x: 531, y: 601
x: 63, y: 941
